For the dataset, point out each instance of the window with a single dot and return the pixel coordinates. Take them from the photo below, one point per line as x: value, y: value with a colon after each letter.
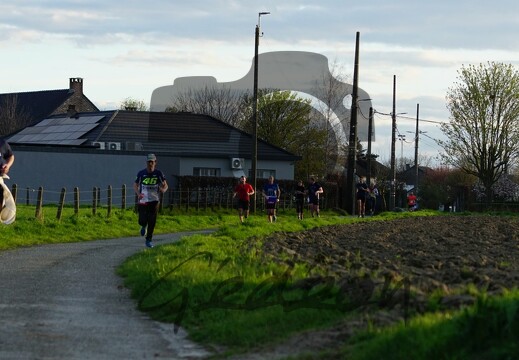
x: 206, y: 172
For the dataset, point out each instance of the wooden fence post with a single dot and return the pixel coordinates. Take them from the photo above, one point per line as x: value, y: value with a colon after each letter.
x: 161, y: 201
x: 27, y: 197
x: 94, y: 200
x: 61, y: 203
x: 14, y: 191
x: 123, y: 199
x: 76, y: 200
x: 109, y: 201
x: 39, y: 204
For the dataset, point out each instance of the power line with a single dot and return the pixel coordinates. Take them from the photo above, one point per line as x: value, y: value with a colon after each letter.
x: 410, y: 118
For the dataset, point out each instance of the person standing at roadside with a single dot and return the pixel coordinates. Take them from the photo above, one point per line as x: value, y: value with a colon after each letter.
x: 314, y: 191
x: 244, y: 191
x: 148, y: 185
x: 6, y: 161
x: 373, y: 195
x: 362, y: 195
x: 7, y: 203
x: 300, y: 199
x: 271, y: 193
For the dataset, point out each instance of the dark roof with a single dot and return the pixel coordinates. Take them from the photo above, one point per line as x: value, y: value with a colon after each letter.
x: 377, y: 168
x: 37, y: 104
x: 409, y: 174
x: 182, y: 134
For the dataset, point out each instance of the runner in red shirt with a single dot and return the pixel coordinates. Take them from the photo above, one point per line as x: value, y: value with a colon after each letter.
x: 244, y: 190
x: 411, y: 201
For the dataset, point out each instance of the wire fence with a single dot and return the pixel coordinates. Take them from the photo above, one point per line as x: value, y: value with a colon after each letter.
x: 109, y: 198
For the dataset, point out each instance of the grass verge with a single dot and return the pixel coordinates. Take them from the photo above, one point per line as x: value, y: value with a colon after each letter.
x: 487, y: 330
x: 224, y: 292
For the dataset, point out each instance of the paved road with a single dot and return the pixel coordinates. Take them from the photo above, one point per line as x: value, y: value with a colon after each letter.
x: 65, y: 301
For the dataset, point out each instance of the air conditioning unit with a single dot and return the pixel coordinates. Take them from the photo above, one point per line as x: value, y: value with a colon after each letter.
x: 99, y: 144
x: 237, y: 163
x: 113, y: 146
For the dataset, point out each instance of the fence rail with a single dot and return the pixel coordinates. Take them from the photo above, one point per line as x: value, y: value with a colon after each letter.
x: 107, y: 199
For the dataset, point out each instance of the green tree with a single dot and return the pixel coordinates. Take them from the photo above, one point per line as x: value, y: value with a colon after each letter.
x: 289, y: 122
x: 133, y: 104
x: 483, y: 132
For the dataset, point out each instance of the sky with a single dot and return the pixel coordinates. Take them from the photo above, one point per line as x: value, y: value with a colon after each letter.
x: 128, y: 49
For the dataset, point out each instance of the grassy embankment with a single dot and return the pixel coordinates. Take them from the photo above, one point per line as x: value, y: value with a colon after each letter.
x: 223, y: 292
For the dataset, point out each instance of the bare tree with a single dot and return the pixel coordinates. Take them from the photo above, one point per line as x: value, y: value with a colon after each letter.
x: 222, y: 103
x: 483, y: 134
x: 12, y: 116
x: 332, y: 94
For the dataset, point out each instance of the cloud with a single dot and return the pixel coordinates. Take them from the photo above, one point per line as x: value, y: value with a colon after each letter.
x: 129, y: 49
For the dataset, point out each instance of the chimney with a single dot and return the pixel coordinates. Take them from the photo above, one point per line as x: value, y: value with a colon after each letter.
x: 72, y: 112
x: 76, y: 85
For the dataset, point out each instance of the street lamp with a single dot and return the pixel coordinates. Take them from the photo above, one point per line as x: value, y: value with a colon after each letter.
x: 255, y: 111
x: 402, y: 139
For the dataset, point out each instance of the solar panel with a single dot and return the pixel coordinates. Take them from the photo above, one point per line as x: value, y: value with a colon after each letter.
x: 58, y: 131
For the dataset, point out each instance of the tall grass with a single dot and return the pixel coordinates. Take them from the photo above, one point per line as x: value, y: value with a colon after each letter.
x: 222, y: 289
x: 487, y: 330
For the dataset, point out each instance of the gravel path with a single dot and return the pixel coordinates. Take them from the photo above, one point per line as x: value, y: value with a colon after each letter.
x: 65, y: 301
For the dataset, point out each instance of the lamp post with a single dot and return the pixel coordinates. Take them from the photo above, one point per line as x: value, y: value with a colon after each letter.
x: 255, y: 111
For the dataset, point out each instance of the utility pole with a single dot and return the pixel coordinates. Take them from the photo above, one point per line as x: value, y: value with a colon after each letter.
x: 349, y: 191
x: 255, y: 113
x: 370, y: 133
x: 392, y: 196
x: 417, y: 135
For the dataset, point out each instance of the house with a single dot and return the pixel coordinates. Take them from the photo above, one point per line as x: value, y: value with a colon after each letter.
x: 19, y: 110
x: 101, y: 148
x: 408, y: 176
x: 372, y: 169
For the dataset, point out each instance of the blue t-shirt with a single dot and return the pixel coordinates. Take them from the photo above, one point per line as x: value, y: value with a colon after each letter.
x: 312, y: 189
x: 271, y: 191
x: 149, y: 184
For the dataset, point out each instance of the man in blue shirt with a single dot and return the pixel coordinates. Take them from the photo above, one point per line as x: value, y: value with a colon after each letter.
x: 271, y: 193
x: 148, y: 185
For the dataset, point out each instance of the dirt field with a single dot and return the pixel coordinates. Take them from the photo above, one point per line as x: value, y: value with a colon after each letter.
x: 439, y: 255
